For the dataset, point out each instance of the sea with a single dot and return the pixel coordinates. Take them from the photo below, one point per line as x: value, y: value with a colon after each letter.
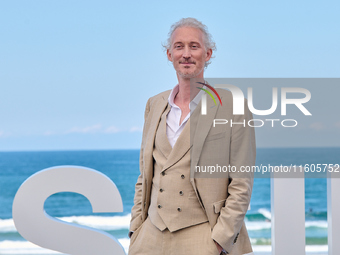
x: 122, y: 167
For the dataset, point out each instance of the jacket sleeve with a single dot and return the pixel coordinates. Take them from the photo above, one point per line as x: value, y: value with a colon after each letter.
x: 242, y: 153
x: 136, y: 211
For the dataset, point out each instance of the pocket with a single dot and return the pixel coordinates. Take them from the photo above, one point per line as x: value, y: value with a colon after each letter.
x: 211, y: 247
x: 217, y: 252
x: 135, y: 233
x: 218, y: 205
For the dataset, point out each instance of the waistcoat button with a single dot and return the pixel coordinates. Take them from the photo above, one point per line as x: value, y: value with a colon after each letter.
x: 159, y: 206
x: 179, y: 209
x: 181, y: 193
x: 182, y: 176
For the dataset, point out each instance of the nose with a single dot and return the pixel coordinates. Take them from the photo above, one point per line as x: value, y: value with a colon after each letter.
x: 186, y: 53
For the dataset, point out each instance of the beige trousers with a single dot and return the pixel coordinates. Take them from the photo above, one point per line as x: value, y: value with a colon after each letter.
x: 194, y: 240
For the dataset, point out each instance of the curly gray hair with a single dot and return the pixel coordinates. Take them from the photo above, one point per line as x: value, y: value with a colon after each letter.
x: 192, y: 22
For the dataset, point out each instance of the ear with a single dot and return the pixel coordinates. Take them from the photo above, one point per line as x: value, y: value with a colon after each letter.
x: 168, y: 53
x: 209, y: 54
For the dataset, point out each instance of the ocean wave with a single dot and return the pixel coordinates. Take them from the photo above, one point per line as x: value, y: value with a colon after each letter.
x: 266, y: 213
x: 111, y: 223
x: 258, y: 225
x: 7, y: 226
x: 261, y: 214
x: 22, y: 247
x: 25, y: 247
x: 316, y: 224
x: 309, y: 248
x: 101, y: 222
x: 263, y: 225
x: 314, y: 241
x: 97, y: 222
x: 260, y: 241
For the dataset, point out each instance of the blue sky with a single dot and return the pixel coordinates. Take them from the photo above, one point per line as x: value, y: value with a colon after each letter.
x: 77, y: 74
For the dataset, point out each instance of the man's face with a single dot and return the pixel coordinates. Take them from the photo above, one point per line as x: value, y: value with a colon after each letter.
x: 188, y: 53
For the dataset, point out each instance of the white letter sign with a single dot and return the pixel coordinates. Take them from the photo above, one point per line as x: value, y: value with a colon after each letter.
x: 35, y: 225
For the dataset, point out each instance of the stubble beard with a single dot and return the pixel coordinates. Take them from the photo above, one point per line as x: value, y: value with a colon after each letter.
x: 190, y: 75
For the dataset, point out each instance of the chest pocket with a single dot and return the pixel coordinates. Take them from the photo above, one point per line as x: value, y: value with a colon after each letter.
x: 218, y: 205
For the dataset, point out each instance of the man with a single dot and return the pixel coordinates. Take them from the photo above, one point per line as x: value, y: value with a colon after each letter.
x: 176, y: 211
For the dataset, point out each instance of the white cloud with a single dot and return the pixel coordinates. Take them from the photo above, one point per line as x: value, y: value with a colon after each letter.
x: 5, y: 134
x: 111, y: 130
x: 94, y: 129
x: 86, y: 130
x: 136, y: 129
x: 317, y: 126
x: 48, y: 133
x: 98, y: 128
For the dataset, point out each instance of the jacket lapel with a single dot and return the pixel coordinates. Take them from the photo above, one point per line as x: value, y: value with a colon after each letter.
x: 155, y: 113
x: 201, y: 125
x: 180, y: 148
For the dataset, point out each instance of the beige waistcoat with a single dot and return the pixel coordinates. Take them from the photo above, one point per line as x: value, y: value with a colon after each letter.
x: 174, y: 204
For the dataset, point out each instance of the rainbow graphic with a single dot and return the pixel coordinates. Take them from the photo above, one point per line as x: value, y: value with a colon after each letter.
x: 209, y: 93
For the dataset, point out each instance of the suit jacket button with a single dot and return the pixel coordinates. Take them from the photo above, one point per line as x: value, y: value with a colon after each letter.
x: 179, y: 209
x: 236, y: 238
x: 181, y: 193
x: 161, y: 190
x: 182, y: 176
x: 159, y: 206
x: 163, y: 173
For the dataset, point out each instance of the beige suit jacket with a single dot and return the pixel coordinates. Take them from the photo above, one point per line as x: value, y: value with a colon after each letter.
x: 224, y: 200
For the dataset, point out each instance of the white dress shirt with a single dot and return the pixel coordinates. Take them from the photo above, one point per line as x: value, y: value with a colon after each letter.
x: 173, y: 128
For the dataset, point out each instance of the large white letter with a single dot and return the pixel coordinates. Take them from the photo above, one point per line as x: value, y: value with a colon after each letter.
x: 262, y: 112
x: 238, y: 98
x: 298, y: 102
x: 35, y: 225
